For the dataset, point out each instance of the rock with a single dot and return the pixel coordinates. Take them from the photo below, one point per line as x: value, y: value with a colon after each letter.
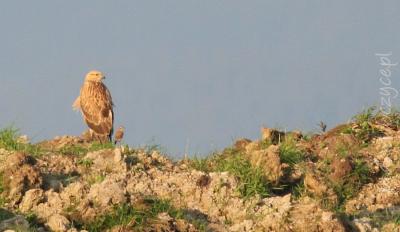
x: 31, y: 199
x: 108, y: 193
x: 269, y: 161
x: 164, y: 217
x: 318, y: 188
x: 182, y: 225
x: 272, y: 214
x: 314, y: 185
x: 158, y: 158
x: 59, y: 164
x: 307, y: 216
x: 252, y: 146
x: 296, y: 135
x: 73, y: 193
x: 52, y: 205
x: 20, y: 176
x: 293, y: 174
x: 86, y: 210
x: 118, y: 157
x: 246, y: 225
x: 16, y: 160
x: 364, y: 225
x: 383, y: 143
x: 391, y: 227
x: 387, y: 162
x: 16, y: 222
x: 58, y: 223
x: 272, y: 135
x: 241, y: 144
x: 331, y: 145
x: 23, y: 139
x: 340, y: 167
x: 107, y: 161
x: 376, y: 196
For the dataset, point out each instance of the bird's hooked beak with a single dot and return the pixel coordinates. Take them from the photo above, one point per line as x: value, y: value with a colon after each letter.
x: 103, y: 78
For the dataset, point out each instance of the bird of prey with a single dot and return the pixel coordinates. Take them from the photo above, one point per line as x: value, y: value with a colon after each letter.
x: 96, y: 105
x: 119, y: 135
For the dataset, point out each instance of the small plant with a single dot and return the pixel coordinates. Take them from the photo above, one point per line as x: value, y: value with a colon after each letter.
x: 95, y: 178
x: 33, y: 220
x: 308, y: 136
x: 124, y: 215
x: 393, y: 119
x: 298, y: 190
x: 251, y: 179
x: 363, y: 128
x: 397, y: 219
x: 9, y: 141
x: 3, y: 200
x: 289, y: 153
x: 79, y: 150
x: 87, y: 163
x: 4, y: 214
x: 136, y: 218
x: 322, y: 126
x: 366, y: 115
x: 152, y: 146
x: 96, y: 146
x: 201, y: 164
x: 73, y: 150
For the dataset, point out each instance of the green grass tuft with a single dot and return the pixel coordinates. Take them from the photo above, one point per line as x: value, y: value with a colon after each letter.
x: 77, y: 150
x: 3, y: 200
x: 138, y: 218
x: 289, y: 153
x: 96, y: 146
x: 9, y: 141
x: 87, y: 163
x: 365, y: 131
x: 200, y: 164
x: 251, y: 179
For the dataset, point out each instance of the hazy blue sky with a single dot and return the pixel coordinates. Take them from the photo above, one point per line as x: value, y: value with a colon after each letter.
x: 206, y: 72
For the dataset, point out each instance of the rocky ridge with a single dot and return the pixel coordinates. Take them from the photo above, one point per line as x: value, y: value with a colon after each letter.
x: 345, y: 179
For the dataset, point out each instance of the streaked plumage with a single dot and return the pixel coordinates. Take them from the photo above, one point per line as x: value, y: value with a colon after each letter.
x: 96, y: 105
x: 119, y: 134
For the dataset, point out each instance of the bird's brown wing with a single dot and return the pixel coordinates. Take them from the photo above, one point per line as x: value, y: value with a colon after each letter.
x: 97, y: 108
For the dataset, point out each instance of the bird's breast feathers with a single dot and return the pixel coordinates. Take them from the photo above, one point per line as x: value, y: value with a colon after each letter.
x: 97, y: 106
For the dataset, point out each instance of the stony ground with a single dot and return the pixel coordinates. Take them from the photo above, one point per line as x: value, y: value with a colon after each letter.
x: 345, y: 179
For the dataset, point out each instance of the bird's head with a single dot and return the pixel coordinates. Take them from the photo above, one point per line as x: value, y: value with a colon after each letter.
x: 121, y: 128
x: 95, y: 76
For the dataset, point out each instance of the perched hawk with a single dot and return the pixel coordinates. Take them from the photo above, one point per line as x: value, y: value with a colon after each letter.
x: 96, y: 105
